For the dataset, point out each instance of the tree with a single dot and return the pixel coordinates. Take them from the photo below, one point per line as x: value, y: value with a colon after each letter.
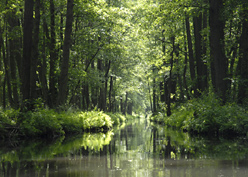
x: 217, y: 48
x: 243, y: 60
x: 53, y: 57
x: 27, y: 53
x: 63, y: 80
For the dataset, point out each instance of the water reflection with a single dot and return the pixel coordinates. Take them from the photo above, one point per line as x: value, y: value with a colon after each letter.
x: 136, y: 149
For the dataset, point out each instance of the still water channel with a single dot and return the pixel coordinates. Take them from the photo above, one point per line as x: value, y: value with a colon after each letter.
x: 136, y: 149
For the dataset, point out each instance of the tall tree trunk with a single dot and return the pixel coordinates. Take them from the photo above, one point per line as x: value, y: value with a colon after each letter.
x: 198, y: 50
x: 179, y: 76
x: 27, y: 51
x: 125, y: 105
x: 6, y: 69
x: 107, y: 66
x: 154, y: 96
x: 205, y: 73
x: 4, y: 93
x: 149, y: 91
x: 13, y: 55
x: 94, y: 93
x: 217, y: 50
x: 130, y: 108
x: 1, y: 70
x: 63, y: 80
x: 170, y: 77
x: 35, y: 53
x: 243, y: 82
x: 100, y: 98
x: 185, y: 68
x: 110, y: 94
x: 191, y: 55
x: 86, y: 98
x: 43, y: 72
x: 53, y: 58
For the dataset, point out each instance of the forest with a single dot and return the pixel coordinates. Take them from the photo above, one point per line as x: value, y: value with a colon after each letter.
x: 186, y: 61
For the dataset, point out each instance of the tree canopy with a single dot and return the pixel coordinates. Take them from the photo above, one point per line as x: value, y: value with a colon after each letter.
x: 121, y: 56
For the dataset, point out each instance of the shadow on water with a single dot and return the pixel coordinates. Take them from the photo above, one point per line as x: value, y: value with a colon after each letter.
x: 138, y: 148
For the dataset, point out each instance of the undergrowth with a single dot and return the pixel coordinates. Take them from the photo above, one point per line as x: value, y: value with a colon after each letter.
x: 207, y: 115
x: 49, y: 123
x: 117, y: 118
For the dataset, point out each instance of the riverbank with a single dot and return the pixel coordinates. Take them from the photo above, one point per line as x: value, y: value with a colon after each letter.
x: 46, y: 123
x: 208, y: 116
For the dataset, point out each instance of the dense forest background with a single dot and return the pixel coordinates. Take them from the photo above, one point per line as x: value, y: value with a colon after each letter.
x: 122, y: 56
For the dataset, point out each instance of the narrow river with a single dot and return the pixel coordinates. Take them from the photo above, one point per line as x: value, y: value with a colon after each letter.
x: 136, y: 149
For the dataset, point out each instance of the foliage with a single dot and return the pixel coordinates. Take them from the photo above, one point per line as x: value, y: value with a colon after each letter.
x: 49, y: 123
x: 40, y: 123
x: 158, y: 117
x: 117, y: 118
x: 8, y: 118
x: 206, y: 115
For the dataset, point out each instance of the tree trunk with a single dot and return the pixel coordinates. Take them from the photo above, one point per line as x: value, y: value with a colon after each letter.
x: 154, y: 96
x: 130, y: 108
x: 86, y: 99
x: 185, y: 68
x: 94, y: 89
x: 125, y: 105
x: 205, y: 76
x: 27, y: 51
x: 198, y: 50
x: 217, y: 50
x: 149, y: 91
x: 1, y: 70
x: 243, y: 82
x: 110, y: 94
x: 101, y: 89
x: 179, y: 80
x: 107, y: 66
x: 199, y: 45
x: 13, y: 55
x: 53, y: 58
x: 43, y: 67
x: 191, y: 54
x: 4, y: 93
x: 6, y: 69
x: 63, y: 80
x: 35, y: 57
x: 170, y: 77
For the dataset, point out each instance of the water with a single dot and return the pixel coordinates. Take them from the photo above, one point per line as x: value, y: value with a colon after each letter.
x: 137, y: 149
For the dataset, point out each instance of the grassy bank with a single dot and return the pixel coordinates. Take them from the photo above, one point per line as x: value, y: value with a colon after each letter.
x: 49, y: 123
x: 207, y: 116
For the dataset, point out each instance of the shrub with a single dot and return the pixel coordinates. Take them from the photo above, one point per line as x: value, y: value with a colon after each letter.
x: 41, y: 123
x: 117, y: 118
x: 76, y: 122
x: 49, y: 123
x: 206, y: 115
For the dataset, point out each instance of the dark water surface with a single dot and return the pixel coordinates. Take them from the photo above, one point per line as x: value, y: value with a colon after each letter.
x: 137, y: 149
